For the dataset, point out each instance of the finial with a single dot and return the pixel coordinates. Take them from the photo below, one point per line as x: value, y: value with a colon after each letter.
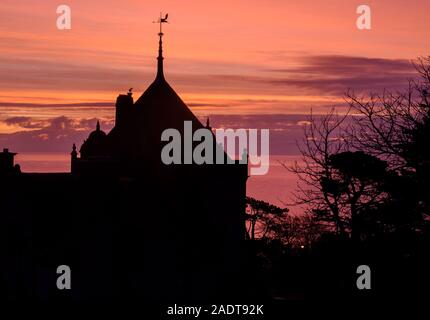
x: 74, y: 153
x: 98, y: 126
x: 207, y: 123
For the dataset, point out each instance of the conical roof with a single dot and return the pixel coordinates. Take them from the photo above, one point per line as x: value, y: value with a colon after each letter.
x: 161, y: 105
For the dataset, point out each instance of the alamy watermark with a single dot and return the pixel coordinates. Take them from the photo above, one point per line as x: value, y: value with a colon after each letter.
x: 364, y: 21
x: 64, y: 20
x: 64, y: 280
x: 364, y: 280
x: 252, y: 147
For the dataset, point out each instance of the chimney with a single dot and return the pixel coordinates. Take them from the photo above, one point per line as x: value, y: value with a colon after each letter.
x: 6, y: 161
x: 124, y: 109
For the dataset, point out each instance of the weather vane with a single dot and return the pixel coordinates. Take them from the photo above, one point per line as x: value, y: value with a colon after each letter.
x: 162, y: 20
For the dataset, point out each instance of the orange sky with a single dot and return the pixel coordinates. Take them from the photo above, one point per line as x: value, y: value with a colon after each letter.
x: 222, y: 57
x: 247, y: 63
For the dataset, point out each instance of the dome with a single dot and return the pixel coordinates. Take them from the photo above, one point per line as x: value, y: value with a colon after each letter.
x: 95, y: 145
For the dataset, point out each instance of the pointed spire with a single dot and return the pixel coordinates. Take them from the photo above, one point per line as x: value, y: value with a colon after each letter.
x: 160, y: 58
x: 98, y: 126
x: 207, y: 124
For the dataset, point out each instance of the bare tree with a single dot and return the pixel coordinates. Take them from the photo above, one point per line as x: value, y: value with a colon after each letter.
x: 322, y: 138
x: 338, y: 185
x: 300, y: 231
x: 384, y: 123
x: 395, y: 126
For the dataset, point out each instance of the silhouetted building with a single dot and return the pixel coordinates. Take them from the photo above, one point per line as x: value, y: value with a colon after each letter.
x: 127, y: 224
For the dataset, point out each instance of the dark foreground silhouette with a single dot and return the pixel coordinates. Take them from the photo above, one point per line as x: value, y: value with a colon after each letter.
x: 134, y: 229
x: 127, y: 225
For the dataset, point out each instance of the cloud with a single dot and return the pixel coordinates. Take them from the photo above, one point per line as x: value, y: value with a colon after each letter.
x: 335, y: 74
x: 308, y: 75
x: 285, y: 130
x: 39, y: 74
x: 52, y: 135
x: 59, y: 133
x: 24, y: 122
x: 57, y: 105
x: 348, y: 65
x: 317, y: 75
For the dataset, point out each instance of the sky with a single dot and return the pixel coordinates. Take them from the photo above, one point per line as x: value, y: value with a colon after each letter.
x: 251, y: 64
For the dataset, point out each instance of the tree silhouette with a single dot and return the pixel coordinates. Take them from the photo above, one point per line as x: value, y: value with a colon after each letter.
x: 264, y: 220
x: 395, y: 126
x: 322, y: 139
x: 354, y: 168
x: 357, y: 184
